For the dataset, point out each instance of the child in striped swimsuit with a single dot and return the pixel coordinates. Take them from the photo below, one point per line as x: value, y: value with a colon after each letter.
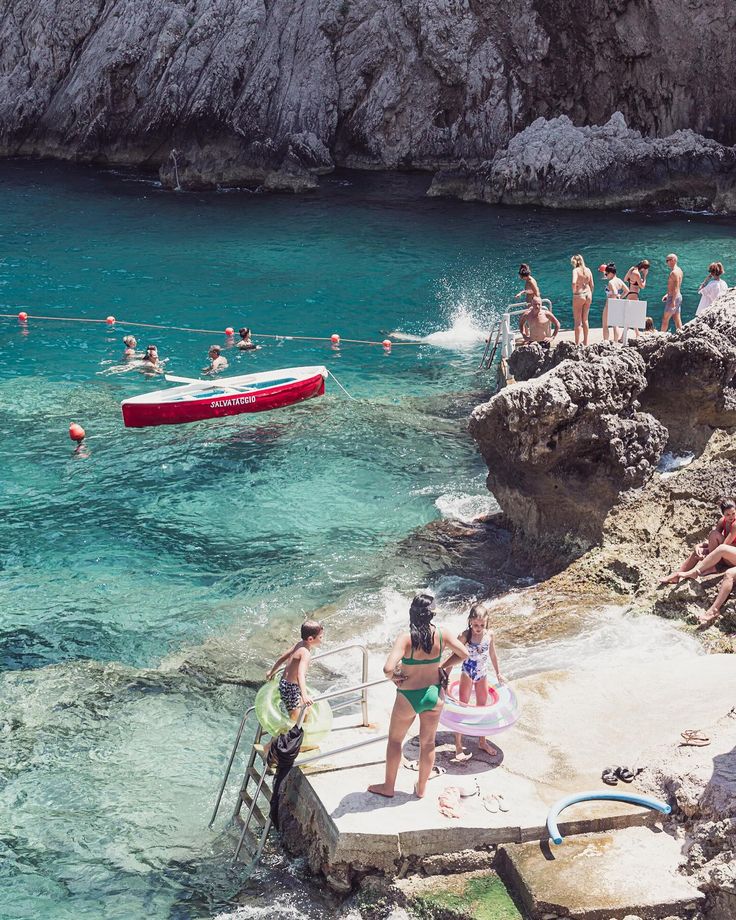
x: 478, y: 640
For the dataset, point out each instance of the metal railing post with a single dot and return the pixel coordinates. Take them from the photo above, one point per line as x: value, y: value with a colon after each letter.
x: 230, y: 764
x: 364, y: 692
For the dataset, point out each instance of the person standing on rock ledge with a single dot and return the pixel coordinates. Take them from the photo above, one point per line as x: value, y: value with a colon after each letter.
x: 531, y: 288
x: 712, y: 287
x: 582, y: 297
x: 535, y: 324
x: 615, y: 290
x: 672, y: 300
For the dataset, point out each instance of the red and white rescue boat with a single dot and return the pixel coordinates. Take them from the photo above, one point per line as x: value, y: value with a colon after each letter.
x: 203, y: 399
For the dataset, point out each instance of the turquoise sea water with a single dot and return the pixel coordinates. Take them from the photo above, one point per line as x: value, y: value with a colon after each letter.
x: 210, y: 542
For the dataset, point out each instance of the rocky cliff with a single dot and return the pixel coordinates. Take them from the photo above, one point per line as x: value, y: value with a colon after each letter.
x: 558, y: 164
x: 248, y: 91
x: 575, y: 456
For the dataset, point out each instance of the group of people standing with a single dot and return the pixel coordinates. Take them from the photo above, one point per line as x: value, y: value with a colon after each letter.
x: 538, y: 324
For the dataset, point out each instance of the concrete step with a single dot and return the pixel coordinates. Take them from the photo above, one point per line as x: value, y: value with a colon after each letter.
x: 608, y: 876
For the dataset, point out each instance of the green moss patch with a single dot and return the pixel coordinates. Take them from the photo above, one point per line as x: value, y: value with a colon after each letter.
x: 482, y: 898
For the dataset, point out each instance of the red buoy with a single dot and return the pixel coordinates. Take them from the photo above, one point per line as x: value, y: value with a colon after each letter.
x: 76, y: 432
x: 23, y: 316
x: 110, y: 320
x: 229, y: 331
x: 335, y: 338
x: 387, y: 344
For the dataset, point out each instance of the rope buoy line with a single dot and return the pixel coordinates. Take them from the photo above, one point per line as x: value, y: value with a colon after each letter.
x: 111, y: 321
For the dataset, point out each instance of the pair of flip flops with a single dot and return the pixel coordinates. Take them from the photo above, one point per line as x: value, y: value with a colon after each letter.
x: 494, y: 802
x: 611, y: 775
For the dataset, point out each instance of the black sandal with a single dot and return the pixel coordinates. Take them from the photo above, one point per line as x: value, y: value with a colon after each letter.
x: 610, y: 775
x: 625, y: 775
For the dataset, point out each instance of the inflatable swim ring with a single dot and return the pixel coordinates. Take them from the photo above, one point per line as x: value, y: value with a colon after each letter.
x: 317, y: 725
x: 501, y: 712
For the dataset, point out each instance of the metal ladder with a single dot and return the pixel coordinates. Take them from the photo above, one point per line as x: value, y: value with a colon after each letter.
x: 257, y: 769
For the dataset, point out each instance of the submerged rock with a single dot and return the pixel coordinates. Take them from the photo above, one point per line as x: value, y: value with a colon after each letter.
x: 558, y: 164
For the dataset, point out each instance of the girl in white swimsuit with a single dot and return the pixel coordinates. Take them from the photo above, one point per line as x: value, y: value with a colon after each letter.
x: 478, y: 640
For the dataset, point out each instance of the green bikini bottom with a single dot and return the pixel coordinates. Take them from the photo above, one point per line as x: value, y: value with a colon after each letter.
x: 423, y: 699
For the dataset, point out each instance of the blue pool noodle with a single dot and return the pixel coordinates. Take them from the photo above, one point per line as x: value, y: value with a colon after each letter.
x: 555, y: 810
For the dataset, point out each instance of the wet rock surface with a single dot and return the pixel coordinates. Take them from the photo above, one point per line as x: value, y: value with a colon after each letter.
x: 253, y: 93
x: 558, y: 164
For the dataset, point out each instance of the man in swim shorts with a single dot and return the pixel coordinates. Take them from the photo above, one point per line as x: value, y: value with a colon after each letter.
x: 672, y: 300
x: 536, y: 323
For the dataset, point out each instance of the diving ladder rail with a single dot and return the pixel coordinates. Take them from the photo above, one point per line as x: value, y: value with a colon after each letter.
x: 251, y: 709
x: 252, y: 771
x: 486, y: 361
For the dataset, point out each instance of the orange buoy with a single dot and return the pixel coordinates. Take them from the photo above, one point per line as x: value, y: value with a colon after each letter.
x: 335, y: 338
x: 76, y: 432
x: 386, y: 344
x: 110, y: 320
x: 229, y: 331
x: 23, y: 316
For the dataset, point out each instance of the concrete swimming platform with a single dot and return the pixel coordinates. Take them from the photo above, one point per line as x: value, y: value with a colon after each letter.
x: 573, y: 725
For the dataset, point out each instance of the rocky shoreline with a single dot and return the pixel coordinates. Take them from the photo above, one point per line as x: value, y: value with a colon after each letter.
x: 575, y: 455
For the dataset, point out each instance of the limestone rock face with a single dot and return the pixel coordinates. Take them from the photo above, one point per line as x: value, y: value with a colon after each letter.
x: 558, y: 164
x: 238, y: 87
x: 561, y: 447
x: 588, y: 423
x: 690, y: 375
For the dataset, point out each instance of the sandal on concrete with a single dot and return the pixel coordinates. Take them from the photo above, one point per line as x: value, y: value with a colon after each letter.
x: 610, y: 776
x: 694, y: 737
x: 625, y: 775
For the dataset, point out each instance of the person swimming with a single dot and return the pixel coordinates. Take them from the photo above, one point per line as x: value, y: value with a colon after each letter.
x: 245, y: 343
x: 131, y: 344
x: 218, y: 362
x: 151, y: 363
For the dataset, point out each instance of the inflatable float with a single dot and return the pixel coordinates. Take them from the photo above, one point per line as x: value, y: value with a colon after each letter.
x: 500, y: 713
x: 554, y: 812
x: 272, y: 718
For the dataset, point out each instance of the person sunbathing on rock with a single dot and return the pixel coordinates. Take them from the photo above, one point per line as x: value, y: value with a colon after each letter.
x: 723, y: 532
x: 714, y: 611
x: 536, y: 323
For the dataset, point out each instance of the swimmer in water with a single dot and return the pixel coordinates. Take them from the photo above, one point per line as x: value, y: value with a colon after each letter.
x: 151, y: 363
x: 131, y: 344
x: 218, y: 362
x: 245, y: 343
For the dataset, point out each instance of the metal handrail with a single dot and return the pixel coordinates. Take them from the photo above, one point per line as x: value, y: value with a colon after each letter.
x: 313, y: 757
x: 363, y: 703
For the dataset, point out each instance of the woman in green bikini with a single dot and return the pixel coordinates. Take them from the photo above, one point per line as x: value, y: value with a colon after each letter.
x: 414, y: 665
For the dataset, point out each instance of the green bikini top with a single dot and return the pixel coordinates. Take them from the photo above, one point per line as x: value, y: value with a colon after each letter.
x: 412, y: 660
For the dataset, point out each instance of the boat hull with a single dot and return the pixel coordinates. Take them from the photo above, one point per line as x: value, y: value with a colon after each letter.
x: 146, y: 414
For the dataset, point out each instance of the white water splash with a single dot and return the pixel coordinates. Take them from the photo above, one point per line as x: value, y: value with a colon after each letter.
x: 670, y: 463
x: 609, y: 636
x: 467, y: 329
x: 459, y: 506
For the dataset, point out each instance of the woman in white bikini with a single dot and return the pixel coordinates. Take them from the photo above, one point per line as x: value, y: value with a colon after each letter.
x: 582, y: 297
